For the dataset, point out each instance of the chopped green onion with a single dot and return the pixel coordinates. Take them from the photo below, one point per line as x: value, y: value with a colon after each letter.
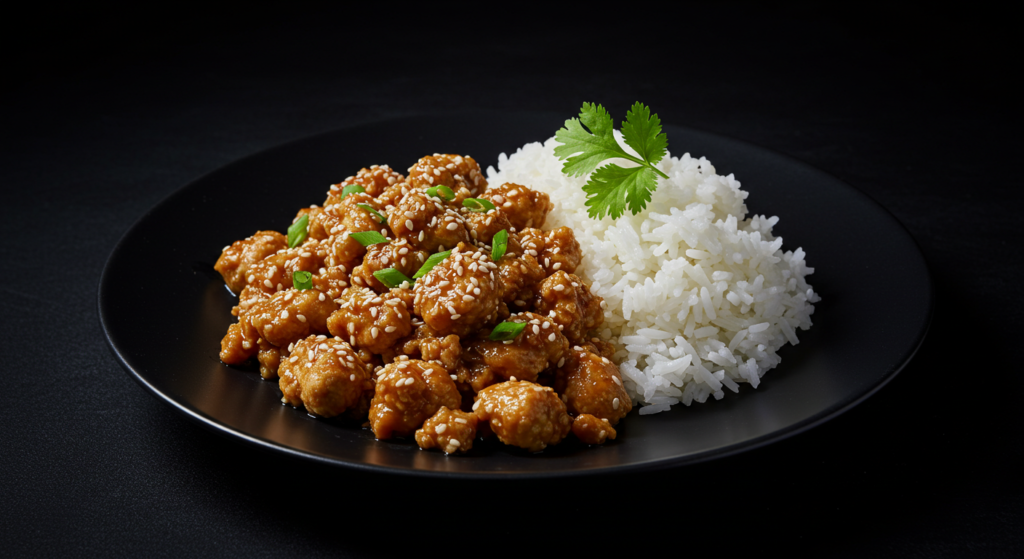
x: 434, y: 260
x: 392, y: 278
x: 370, y: 209
x: 298, y: 231
x: 499, y: 244
x: 506, y: 331
x: 441, y: 191
x: 478, y: 205
x: 302, y: 280
x: 350, y: 189
x: 367, y: 238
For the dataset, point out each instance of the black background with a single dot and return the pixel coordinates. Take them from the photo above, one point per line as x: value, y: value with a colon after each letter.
x: 106, y: 111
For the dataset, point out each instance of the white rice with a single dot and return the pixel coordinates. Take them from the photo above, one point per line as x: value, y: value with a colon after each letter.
x: 699, y: 296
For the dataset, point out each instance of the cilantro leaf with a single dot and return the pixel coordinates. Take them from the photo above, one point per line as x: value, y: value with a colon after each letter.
x: 642, y: 132
x: 583, y: 151
x: 611, y: 188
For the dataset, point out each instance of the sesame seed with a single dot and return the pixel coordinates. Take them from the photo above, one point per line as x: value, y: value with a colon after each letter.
x: 453, y: 377
x: 556, y: 266
x: 561, y: 362
x: 461, y: 420
x: 390, y: 329
x: 455, y: 443
x: 456, y: 316
x: 559, y: 287
x: 615, y: 404
x: 300, y: 317
x: 321, y: 297
x: 450, y: 227
x: 513, y: 379
x: 602, y: 433
x: 441, y: 428
x: 267, y: 283
x: 468, y: 298
x: 551, y: 338
x: 476, y: 405
x: 546, y: 325
x: 409, y: 225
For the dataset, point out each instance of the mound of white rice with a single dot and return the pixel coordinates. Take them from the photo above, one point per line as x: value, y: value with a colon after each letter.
x: 698, y: 295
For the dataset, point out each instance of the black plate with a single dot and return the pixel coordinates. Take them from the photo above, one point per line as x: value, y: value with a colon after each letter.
x: 164, y: 311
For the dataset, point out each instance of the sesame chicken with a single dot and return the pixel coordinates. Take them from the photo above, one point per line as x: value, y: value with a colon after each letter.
x: 407, y: 393
x: 236, y: 259
x: 274, y: 273
x: 523, y: 414
x: 290, y: 315
x: 592, y: 430
x: 460, y: 294
x: 568, y: 301
x: 517, y: 275
x: 418, y: 360
x: 332, y: 281
x: 375, y: 180
x: 236, y: 348
x: 592, y: 384
x: 399, y: 255
x: 538, y: 347
x: 483, y: 226
x: 454, y: 171
x: 426, y: 223
x: 269, y: 358
x: 369, y: 321
x: 449, y: 430
x: 555, y: 250
x: 324, y: 375
x: 524, y: 206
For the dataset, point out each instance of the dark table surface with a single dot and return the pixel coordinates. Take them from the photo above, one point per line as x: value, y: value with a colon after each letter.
x: 109, y: 112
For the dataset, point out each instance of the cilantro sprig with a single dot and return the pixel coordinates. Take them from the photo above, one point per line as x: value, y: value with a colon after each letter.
x: 612, y: 188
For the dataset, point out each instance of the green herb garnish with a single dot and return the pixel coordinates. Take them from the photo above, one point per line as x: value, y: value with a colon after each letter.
x: 298, y: 231
x: 349, y: 189
x: 611, y: 188
x: 499, y: 244
x: 478, y: 205
x: 434, y: 260
x: 441, y: 191
x: 506, y: 331
x: 392, y: 278
x: 302, y: 280
x: 373, y: 211
x: 367, y: 238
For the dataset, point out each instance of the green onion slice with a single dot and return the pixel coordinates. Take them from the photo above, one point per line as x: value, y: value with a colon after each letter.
x: 499, y: 244
x: 392, y: 278
x: 370, y: 209
x: 478, y: 205
x: 302, y: 280
x: 350, y: 189
x: 298, y: 231
x: 434, y: 260
x: 506, y: 331
x: 367, y: 238
x: 441, y: 191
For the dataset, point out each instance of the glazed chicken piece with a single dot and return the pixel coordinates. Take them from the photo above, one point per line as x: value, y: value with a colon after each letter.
x: 274, y: 273
x: 426, y: 223
x: 592, y: 430
x: 375, y: 180
x: 247, y: 298
x: 567, y: 301
x: 332, y: 280
x: 523, y: 206
x: 591, y: 384
x: 289, y: 316
x: 460, y: 173
x: 523, y: 414
x: 554, y: 250
x: 517, y: 275
x: 355, y: 219
x: 269, y: 358
x: 539, y: 346
x: 483, y: 226
x: 236, y: 348
x: 236, y: 259
x: 399, y: 255
x: 407, y: 393
x: 449, y: 430
x: 392, y: 195
x: 324, y: 375
x: 370, y: 321
x: 460, y: 294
